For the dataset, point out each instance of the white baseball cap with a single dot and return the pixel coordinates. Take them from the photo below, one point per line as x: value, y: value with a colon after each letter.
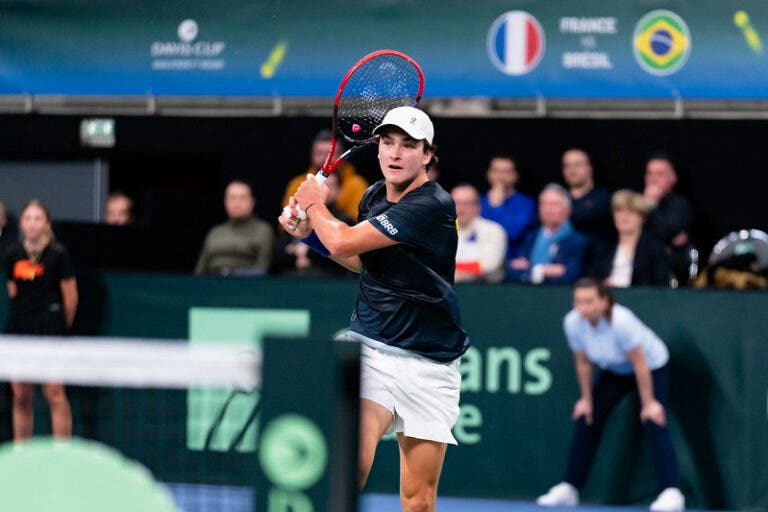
x: 411, y: 120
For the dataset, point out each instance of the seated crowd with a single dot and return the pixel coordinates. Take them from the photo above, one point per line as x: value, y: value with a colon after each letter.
x: 624, y: 239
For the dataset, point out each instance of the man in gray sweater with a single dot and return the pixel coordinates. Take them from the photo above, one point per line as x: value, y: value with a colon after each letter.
x: 243, y: 244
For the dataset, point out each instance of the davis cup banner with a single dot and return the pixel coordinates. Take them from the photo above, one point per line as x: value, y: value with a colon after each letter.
x: 707, y: 49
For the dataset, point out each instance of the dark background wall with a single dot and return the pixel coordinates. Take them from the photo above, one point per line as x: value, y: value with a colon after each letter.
x: 177, y: 167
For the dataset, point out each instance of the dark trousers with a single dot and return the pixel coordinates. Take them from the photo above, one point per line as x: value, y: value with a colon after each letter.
x: 607, y: 391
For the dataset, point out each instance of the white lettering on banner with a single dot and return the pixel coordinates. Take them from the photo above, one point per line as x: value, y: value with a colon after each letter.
x: 384, y: 221
x: 574, y: 25
x: 587, y: 60
x: 186, y: 54
x: 199, y: 49
x: 187, y: 64
x: 527, y: 373
x: 587, y: 32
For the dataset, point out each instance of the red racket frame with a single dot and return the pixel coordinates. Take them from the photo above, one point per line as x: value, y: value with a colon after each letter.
x: 329, y: 166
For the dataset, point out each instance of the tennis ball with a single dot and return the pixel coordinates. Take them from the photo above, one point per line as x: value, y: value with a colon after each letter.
x: 741, y: 19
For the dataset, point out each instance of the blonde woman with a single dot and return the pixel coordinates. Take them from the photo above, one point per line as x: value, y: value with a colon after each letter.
x: 43, y: 292
x: 634, y: 257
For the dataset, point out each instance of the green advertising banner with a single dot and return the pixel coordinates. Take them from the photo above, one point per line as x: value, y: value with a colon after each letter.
x: 518, y: 385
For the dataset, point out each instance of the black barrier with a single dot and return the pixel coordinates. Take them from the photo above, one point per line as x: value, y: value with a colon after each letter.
x: 307, y: 447
x: 518, y: 384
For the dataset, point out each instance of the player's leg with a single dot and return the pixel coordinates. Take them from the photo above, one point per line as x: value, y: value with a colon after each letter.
x: 23, y: 421
x: 61, y: 414
x: 421, y: 462
x: 374, y: 420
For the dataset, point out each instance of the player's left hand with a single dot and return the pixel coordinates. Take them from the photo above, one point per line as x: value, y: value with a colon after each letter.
x: 654, y: 411
x: 290, y: 222
x: 311, y: 193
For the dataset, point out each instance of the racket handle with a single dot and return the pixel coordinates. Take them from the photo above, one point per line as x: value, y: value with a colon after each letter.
x: 320, y: 177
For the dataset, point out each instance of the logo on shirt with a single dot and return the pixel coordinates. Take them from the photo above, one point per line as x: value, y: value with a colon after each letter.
x: 26, y: 270
x: 384, y: 221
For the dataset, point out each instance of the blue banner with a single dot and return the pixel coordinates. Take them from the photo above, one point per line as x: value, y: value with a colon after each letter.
x: 501, y: 49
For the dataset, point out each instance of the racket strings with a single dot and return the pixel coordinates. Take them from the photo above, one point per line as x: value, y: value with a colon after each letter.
x: 377, y: 86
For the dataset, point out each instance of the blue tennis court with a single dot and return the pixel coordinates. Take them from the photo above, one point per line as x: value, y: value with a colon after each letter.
x: 391, y: 503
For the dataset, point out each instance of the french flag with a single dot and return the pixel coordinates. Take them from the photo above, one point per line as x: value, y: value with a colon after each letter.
x: 516, y: 42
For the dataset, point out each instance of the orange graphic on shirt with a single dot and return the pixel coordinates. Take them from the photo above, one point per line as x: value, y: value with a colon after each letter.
x: 25, y: 270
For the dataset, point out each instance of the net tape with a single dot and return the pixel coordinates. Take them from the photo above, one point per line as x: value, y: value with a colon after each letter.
x: 124, y: 362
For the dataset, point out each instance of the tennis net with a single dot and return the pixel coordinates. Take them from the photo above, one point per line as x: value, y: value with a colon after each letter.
x: 185, y: 412
x: 191, y: 422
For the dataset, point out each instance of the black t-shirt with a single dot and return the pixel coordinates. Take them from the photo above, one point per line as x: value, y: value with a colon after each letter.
x: 407, y: 298
x: 38, y: 284
x: 591, y: 214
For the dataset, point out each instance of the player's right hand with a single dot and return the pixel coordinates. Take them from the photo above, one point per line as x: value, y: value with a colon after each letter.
x: 583, y: 407
x: 297, y: 228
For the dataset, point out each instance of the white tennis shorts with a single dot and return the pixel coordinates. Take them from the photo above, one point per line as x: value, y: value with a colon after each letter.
x: 421, y: 394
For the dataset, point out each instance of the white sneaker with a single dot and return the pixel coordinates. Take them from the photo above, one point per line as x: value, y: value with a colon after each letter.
x: 670, y: 500
x: 561, y: 495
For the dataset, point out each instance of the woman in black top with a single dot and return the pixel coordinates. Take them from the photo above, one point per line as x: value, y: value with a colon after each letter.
x: 43, y: 292
x: 634, y: 257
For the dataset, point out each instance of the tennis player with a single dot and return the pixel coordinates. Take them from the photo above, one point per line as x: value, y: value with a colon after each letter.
x: 406, y: 317
x: 628, y: 355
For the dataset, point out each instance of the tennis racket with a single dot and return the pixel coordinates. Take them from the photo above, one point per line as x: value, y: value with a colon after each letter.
x: 376, y: 84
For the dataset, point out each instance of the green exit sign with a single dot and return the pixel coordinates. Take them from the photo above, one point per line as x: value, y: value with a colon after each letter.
x: 97, y: 132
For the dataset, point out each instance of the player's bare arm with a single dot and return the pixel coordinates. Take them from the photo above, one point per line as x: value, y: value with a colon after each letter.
x: 342, y: 241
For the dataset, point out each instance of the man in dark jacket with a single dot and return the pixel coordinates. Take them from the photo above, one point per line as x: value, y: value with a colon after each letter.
x: 671, y: 217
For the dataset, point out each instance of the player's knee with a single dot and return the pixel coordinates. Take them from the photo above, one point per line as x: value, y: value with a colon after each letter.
x: 55, y: 395
x: 419, y: 503
x: 422, y: 500
x: 23, y: 398
x: 23, y: 401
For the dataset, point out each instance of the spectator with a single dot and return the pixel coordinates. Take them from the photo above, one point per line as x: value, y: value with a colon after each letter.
x: 553, y: 253
x: 591, y: 206
x: 482, y: 243
x: 353, y: 186
x: 505, y: 205
x: 43, y: 292
x: 243, y: 244
x: 670, y: 218
x: 634, y: 258
x: 293, y: 258
x: 119, y: 209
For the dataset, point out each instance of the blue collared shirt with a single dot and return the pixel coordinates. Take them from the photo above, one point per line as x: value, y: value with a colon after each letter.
x: 607, y: 344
